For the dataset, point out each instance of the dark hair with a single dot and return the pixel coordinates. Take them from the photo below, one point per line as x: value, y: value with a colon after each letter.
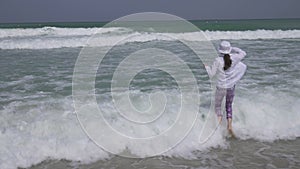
x: 227, y: 61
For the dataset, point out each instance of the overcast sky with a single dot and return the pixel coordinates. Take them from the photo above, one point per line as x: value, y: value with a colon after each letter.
x: 107, y: 10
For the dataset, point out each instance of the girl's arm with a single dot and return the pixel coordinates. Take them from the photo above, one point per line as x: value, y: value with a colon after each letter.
x: 237, y: 55
x: 212, y: 70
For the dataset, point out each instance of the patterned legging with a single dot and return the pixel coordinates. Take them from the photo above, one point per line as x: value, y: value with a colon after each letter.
x: 220, y: 93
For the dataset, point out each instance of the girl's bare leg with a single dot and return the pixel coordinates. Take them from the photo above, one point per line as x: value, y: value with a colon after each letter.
x: 229, y: 127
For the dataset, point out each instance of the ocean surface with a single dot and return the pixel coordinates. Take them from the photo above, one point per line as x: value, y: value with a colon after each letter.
x: 39, y: 127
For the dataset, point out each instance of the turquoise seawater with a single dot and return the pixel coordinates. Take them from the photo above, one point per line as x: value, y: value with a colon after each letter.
x: 229, y: 25
x: 38, y: 122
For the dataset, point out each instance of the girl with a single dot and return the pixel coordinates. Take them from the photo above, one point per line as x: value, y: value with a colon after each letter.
x: 229, y: 70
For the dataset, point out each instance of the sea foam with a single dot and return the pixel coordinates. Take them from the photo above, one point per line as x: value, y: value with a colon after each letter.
x: 53, y: 37
x: 48, y: 129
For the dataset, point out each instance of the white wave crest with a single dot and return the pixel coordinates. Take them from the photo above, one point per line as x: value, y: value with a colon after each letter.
x: 53, y: 37
x: 54, y: 31
x: 38, y: 130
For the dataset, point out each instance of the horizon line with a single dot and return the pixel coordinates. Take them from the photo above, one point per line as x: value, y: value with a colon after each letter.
x: 190, y: 20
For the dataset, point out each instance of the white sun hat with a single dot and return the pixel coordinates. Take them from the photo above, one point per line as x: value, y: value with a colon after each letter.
x: 224, y: 47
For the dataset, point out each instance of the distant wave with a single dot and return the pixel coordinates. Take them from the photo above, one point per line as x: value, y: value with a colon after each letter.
x: 54, y: 37
x: 258, y: 34
x: 53, y: 31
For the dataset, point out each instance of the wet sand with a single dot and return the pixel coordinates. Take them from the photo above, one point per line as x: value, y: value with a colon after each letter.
x: 246, y: 154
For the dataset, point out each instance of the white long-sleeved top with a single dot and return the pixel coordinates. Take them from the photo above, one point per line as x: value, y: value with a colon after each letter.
x: 229, y: 77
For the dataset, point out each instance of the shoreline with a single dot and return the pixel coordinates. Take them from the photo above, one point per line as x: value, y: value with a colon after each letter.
x: 239, y: 154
